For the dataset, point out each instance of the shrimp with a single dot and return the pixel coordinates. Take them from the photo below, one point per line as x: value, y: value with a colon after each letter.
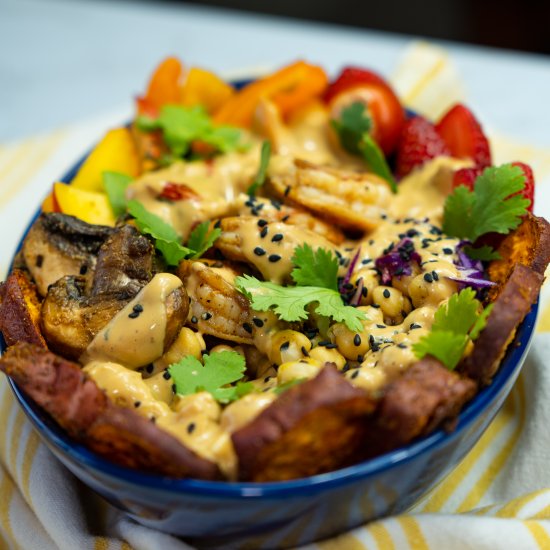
x: 216, y: 307
x: 353, y: 200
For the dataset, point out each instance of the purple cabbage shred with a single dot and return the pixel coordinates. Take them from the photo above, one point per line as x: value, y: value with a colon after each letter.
x: 397, y: 262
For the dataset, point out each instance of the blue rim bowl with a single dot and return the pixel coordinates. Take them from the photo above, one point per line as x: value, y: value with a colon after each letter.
x: 283, y: 514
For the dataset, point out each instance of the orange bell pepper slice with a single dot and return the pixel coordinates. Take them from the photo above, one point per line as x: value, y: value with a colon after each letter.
x: 164, y: 86
x: 205, y: 88
x: 289, y: 88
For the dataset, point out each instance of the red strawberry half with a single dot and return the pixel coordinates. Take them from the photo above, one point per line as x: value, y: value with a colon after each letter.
x: 467, y: 177
x: 419, y: 142
x: 464, y: 136
x: 529, y: 190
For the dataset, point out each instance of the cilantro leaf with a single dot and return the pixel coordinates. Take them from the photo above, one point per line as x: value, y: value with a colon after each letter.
x: 484, y: 253
x: 315, y: 268
x: 219, y: 369
x: 353, y: 128
x: 352, y: 124
x: 183, y: 125
x: 290, y: 302
x: 455, y: 324
x: 265, y: 155
x: 115, y: 185
x: 167, y: 240
x: 201, y: 239
x: 491, y: 207
x: 444, y: 345
x: 287, y: 385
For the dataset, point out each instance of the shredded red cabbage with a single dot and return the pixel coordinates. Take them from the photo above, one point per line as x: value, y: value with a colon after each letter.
x: 471, y: 271
x: 397, y: 262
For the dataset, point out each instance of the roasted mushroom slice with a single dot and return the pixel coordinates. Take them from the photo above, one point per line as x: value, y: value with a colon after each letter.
x: 269, y: 247
x: 59, y: 245
x: 315, y: 427
x: 353, y: 200
x: 217, y: 308
x: 80, y: 407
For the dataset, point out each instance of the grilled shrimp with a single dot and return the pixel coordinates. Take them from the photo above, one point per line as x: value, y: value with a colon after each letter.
x: 216, y: 307
x: 274, y: 211
x: 268, y: 246
x: 352, y: 200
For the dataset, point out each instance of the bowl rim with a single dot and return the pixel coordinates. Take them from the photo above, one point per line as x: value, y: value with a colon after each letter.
x: 56, y: 436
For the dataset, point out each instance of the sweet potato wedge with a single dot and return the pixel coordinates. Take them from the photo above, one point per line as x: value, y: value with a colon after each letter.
x: 80, y: 407
x: 528, y: 245
x: 511, y: 306
x: 20, y: 310
x: 426, y: 396
x: 314, y: 427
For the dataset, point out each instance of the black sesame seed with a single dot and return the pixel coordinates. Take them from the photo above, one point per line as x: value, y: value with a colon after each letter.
x: 194, y: 319
x: 381, y: 326
x: 83, y: 269
x: 137, y: 404
x: 447, y: 251
x: 354, y: 374
x: 277, y: 237
x: 412, y: 326
x: 263, y: 232
x: 304, y: 351
x: 287, y: 190
x: 375, y: 306
x: 259, y: 251
x: 134, y: 315
x: 166, y: 375
x: 331, y: 346
x: 357, y: 340
x: 386, y: 293
x: 40, y: 260
x: 258, y: 322
x: 323, y: 343
x: 138, y: 308
x: 191, y: 427
x: 402, y: 346
x: 247, y: 327
x: 346, y: 367
x: 360, y: 358
x: 284, y: 346
x: 383, y: 216
x: 285, y: 218
x: 364, y: 291
x: 174, y: 388
x: 218, y: 224
x: 274, y: 258
x: 366, y: 261
x: 428, y: 277
x: 435, y: 276
x: 250, y: 202
x: 262, y: 223
x: 206, y: 315
x: 149, y: 368
x: 267, y: 379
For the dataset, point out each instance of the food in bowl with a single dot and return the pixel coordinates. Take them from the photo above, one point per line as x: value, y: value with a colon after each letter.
x: 273, y: 282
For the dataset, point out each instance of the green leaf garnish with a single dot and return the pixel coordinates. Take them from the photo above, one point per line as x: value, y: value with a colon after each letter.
x: 167, y: 240
x: 115, y: 185
x: 201, y: 238
x: 489, y: 207
x: 353, y: 128
x: 290, y: 302
x: 181, y: 126
x: 259, y: 180
x: 219, y: 370
x: 484, y: 253
x: 315, y: 268
x: 456, y: 323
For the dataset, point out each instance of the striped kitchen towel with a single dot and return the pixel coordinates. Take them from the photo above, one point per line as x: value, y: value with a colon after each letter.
x: 498, y: 496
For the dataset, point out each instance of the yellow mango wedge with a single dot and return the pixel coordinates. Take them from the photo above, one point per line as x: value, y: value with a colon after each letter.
x: 89, y: 206
x: 116, y: 152
x: 205, y: 88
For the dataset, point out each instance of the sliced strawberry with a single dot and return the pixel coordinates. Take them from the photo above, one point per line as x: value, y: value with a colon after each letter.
x: 464, y: 136
x: 529, y: 190
x: 350, y: 77
x: 467, y: 177
x: 418, y: 143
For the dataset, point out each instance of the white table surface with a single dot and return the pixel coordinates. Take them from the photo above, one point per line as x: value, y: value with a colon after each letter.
x: 62, y: 61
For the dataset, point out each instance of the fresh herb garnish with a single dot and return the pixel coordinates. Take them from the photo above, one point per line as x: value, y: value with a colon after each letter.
x: 167, y: 241
x: 115, y: 185
x: 491, y: 207
x: 456, y: 323
x: 484, y: 253
x: 281, y: 388
x: 353, y: 129
x: 259, y: 180
x: 219, y: 370
x: 314, y: 287
x: 181, y: 126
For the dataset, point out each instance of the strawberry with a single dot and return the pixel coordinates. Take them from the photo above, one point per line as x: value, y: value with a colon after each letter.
x: 350, y: 77
x: 464, y: 136
x: 418, y: 143
x: 467, y: 177
x: 529, y: 190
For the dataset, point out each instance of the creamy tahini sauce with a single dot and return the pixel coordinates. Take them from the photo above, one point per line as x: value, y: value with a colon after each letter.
x: 135, y: 335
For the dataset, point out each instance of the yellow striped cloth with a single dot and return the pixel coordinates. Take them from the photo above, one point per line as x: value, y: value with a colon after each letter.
x: 498, y: 497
